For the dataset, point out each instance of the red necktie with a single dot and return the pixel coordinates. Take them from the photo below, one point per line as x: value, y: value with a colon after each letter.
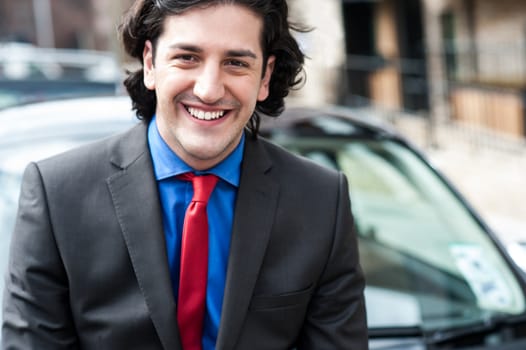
x: 194, y: 263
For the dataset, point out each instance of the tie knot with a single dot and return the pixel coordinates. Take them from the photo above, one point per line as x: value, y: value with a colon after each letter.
x: 203, y: 185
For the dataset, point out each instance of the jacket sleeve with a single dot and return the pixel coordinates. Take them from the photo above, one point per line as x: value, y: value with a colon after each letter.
x: 36, y: 312
x: 336, y: 317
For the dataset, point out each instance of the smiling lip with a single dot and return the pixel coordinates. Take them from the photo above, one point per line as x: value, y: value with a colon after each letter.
x: 201, y: 114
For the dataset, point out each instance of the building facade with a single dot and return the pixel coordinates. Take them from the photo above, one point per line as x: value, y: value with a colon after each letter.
x: 478, y: 50
x: 68, y: 24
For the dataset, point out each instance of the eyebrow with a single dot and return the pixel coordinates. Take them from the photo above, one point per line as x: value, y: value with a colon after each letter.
x: 229, y: 53
x: 241, y: 53
x: 187, y: 47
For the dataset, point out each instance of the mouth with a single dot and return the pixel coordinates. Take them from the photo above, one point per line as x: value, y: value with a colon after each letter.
x: 205, y: 115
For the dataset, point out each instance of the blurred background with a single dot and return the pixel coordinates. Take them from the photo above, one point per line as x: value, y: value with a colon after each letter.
x: 449, y: 74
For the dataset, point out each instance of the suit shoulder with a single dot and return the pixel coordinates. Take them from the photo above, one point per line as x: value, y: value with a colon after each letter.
x: 91, y: 151
x: 90, y: 157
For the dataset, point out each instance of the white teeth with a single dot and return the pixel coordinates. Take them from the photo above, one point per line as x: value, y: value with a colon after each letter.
x: 202, y: 115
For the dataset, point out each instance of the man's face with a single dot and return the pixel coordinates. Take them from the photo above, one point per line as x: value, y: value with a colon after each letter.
x: 207, y: 76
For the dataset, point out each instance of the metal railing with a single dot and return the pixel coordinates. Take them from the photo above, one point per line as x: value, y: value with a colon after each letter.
x: 485, y: 102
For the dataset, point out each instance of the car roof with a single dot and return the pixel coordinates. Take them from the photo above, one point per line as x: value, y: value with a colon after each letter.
x: 332, y: 120
x: 31, y: 119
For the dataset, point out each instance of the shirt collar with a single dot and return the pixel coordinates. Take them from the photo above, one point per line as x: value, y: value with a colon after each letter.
x: 167, y: 164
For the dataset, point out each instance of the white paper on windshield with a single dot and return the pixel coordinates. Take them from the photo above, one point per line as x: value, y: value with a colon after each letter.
x: 483, y: 278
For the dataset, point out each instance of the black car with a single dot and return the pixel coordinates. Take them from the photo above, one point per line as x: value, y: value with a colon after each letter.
x: 437, y: 278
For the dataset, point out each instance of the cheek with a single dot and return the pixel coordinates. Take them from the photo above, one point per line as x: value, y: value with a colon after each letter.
x: 248, y: 91
x: 170, y: 84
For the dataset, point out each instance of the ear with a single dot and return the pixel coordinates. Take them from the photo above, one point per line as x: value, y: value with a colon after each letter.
x: 148, y: 65
x: 265, y: 82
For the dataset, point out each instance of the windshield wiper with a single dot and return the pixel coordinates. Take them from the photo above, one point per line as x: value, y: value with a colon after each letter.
x: 396, y: 332
x: 502, y: 326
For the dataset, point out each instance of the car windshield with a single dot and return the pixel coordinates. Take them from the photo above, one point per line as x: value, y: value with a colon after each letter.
x: 428, y: 261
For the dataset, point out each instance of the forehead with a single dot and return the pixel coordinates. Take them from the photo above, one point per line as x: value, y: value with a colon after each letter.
x: 222, y: 25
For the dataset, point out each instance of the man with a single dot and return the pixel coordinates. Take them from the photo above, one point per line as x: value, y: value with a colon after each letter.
x: 101, y: 238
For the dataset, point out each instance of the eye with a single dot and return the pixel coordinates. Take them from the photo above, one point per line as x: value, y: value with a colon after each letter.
x: 236, y: 63
x: 185, y: 58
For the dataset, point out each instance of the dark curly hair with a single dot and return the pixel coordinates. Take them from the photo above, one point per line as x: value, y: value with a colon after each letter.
x: 144, y: 21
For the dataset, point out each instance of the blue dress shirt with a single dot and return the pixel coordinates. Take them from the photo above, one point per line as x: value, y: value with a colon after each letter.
x: 175, y: 195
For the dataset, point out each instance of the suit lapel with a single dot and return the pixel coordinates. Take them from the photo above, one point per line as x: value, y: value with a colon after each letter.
x: 135, y: 197
x: 256, y: 203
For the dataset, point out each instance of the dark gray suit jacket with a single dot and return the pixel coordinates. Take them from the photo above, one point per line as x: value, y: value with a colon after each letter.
x: 88, y: 266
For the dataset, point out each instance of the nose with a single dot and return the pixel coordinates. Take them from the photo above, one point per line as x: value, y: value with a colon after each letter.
x: 209, y: 86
